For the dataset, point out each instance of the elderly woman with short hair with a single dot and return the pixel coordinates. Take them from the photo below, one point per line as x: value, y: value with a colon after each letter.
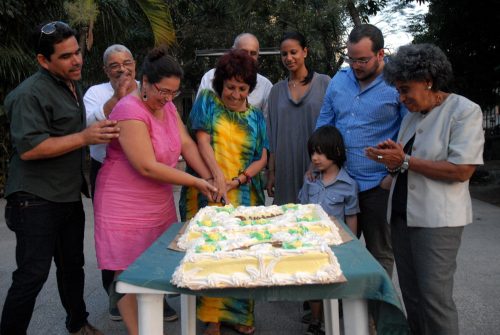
x: 439, y: 145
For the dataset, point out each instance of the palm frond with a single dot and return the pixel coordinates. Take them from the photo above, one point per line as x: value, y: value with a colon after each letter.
x: 15, y: 65
x: 81, y: 13
x: 158, y: 14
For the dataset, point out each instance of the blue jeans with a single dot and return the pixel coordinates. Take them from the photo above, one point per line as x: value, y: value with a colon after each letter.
x: 44, y: 231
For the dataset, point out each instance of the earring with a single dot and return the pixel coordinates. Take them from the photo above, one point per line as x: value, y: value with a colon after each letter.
x: 429, y: 87
x: 144, y: 97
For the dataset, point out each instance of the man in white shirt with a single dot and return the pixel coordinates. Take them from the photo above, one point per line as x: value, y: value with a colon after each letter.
x: 259, y: 95
x: 99, y: 100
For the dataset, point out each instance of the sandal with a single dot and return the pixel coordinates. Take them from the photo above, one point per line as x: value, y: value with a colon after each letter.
x: 241, y: 329
x: 213, y: 328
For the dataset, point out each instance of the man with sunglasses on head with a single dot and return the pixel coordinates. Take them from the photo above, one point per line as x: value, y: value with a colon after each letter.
x: 44, y: 206
x: 119, y: 67
x: 367, y: 111
x: 258, y: 97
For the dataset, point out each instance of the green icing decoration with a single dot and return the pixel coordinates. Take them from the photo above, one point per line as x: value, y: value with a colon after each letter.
x: 205, y: 223
x: 261, y: 236
x: 214, y: 237
x: 308, y: 218
x: 227, y: 208
x: 301, y: 230
x: 295, y: 244
x: 260, y: 222
x: 207, y: 248
x: 288, y: 207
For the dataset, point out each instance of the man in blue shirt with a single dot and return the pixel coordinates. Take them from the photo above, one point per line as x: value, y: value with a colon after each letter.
x: 367, y: 111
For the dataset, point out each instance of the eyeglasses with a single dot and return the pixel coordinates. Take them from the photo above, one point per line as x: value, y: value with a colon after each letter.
x: 166, y: 93
x: 251, y: 53
x: 118, y: 66
x: 50, y: 28
x: 361, y: 61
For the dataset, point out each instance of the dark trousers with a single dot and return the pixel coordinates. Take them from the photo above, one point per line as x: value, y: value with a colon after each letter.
x: 426, y: 263
x: 107, y: 276
x: 44, y: 231
x: 372, y: 222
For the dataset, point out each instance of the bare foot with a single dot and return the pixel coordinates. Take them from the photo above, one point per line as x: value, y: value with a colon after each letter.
x: 213, y: 328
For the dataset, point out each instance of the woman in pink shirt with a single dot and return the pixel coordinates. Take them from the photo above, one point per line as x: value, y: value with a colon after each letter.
x: 134, y: 202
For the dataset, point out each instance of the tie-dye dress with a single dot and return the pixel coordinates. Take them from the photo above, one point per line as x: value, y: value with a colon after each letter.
x: 237, y: 139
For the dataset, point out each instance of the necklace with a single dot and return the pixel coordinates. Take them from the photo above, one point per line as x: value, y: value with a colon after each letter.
x: 295, y: 82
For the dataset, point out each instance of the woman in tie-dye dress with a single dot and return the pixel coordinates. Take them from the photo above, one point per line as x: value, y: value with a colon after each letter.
x: 231, y: 137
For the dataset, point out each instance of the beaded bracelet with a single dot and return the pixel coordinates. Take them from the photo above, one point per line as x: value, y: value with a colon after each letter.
x: 249, y: 178
x: 238, y: 179
x: 393, y: 171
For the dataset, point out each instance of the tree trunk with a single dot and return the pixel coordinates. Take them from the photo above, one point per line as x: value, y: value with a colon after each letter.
x: 83, y: 39
x: 353, y: 12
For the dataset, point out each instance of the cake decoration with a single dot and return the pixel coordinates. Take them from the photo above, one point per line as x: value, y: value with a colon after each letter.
x: 258, y: 246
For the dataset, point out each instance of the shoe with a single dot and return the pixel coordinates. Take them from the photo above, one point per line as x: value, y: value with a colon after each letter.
x: 306, y: 318
x: 314, y: 329
x: 88, y: 329
x: 173, y: 295
x: 169, y: 314
x: 114, y: 314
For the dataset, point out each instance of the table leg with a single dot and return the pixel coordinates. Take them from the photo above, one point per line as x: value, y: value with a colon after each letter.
x: 188, y: 314
x: 331, y: 311
x: 355, y: 316
x: 150, y: 313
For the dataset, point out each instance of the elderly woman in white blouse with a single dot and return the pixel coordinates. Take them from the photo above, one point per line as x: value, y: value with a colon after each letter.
x: 439, y: 145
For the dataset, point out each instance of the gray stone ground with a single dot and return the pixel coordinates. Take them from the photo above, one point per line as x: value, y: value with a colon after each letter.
x: 476, y: 285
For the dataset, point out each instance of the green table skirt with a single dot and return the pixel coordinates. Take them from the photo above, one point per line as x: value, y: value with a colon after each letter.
x: 366, y: 279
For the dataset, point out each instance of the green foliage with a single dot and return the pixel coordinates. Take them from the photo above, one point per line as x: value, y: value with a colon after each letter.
x: 214, y: 24
x: 117, y: 21
x: 80, y: 13
x: 17, y: 59
x: 469, y: 35
x: 158, y: 15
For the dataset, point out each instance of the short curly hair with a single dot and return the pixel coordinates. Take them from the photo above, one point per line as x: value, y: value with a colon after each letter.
x: 419, y: 62
x: 235, y: 64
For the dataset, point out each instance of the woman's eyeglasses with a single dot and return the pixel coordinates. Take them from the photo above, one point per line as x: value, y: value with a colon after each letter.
x: 165, y: 93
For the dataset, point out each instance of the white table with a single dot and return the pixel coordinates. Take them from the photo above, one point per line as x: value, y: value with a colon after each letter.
x: 150, y: 304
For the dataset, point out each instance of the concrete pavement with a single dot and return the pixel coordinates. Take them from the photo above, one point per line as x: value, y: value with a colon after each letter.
x: 476, y: 285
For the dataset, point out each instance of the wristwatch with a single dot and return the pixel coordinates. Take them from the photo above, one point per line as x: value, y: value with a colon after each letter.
x: 406, y: 163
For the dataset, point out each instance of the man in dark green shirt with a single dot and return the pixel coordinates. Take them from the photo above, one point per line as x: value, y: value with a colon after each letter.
x: 44, y: 207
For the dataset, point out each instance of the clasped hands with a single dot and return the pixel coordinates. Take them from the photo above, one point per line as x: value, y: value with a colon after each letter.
x: 388, y: 152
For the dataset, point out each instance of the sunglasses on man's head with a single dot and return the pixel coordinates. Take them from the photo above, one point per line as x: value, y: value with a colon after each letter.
x: 50, y: 28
